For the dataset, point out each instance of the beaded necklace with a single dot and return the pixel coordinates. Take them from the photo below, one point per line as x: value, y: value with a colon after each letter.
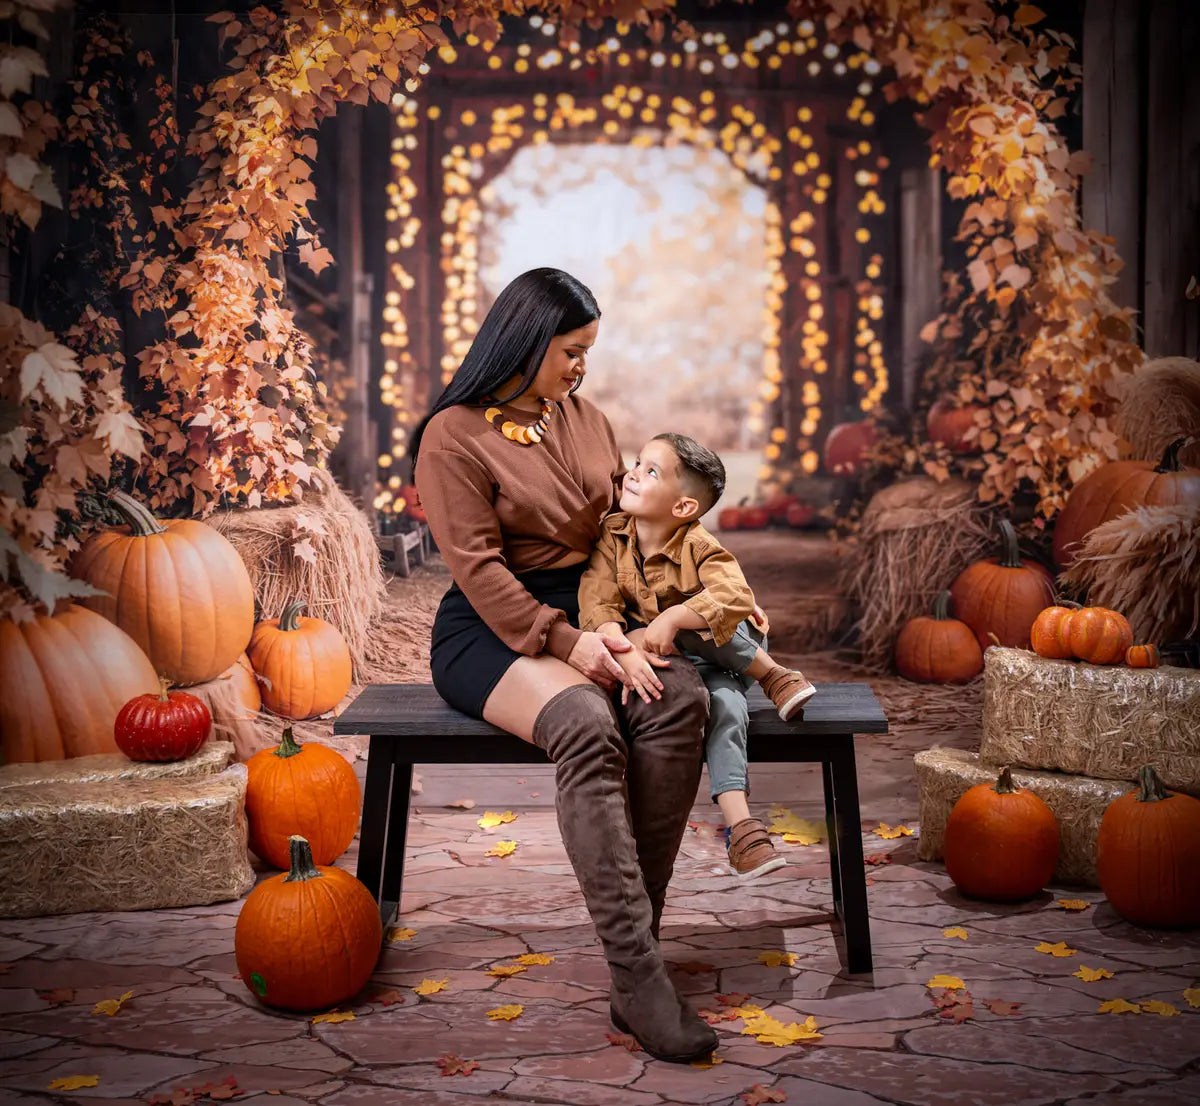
x: 522, y: 435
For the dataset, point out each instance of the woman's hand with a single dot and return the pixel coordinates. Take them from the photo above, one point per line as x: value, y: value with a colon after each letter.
x: 593, y: 656
x: 639, y: 666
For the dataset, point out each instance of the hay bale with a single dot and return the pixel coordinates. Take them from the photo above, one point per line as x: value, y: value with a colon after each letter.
x: 321, y: 549
x: 1145, y: 564
x: 1162, y: 403
x: 212, y: 757
x: 133, y: 844
x: 1078, y: 802
x: 1104, y: 721
x: 916, y: 536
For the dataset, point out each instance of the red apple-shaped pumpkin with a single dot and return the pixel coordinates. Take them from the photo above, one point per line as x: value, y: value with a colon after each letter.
x: 171, y: 725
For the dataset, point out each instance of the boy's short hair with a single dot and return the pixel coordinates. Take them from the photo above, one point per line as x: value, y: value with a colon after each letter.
x: 700, y: 470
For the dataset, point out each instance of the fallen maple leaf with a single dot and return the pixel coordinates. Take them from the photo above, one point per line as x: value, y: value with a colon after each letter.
x: 889, y: 832
x: 1192, y: 994
x: 531, y: 958
x: 623, y: 1040
x: 389, y: 997
x: 491, y: 819
x: 335, y: 1016
x: 713, y: 1017
x: 110, y: 1006
x: 955, y: 931
x: 877, y: 858
x: 502, y: 848
x: 999, y: 1006
x: 800, y: 830
x: 801, y: 839
x: 734, y: 998
x: 956, y: 1006
x: 462, y: 804
x: 770, y: 1031
x: 694, y: 967
x: 73, y: 1082
x: 1090, y: 975
x: 57, y: 996
x: 1058, y: 949
x: 219, y: 1092
x: 396, y: 933
x: 503, y: 971
x: 758, y: 1094
x: 431, y: 986
x: 1119, y: 1006
x: 949, y: 982
x: 711, y: 1062
x: 506, y: 1013
x: 453, y: 1065
x: 1163, y: 1009
x: 1072, y: 904
x: 775, y: 959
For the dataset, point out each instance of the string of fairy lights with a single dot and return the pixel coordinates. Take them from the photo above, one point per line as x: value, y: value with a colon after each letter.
x: 640, y: 117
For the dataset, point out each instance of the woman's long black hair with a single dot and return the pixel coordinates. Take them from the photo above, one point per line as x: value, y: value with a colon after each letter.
x: 513, y: 338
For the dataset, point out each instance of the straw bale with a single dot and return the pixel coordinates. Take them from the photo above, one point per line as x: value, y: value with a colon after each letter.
x: 1145, y: 564
x: 212, y: 757
x: 1094, y: 720
x: 1162, y: 403
x: 917, y: 536
x: 133, y: 844
x: 1078, y: 802
x: 320, y: 549
x: 232, y: 719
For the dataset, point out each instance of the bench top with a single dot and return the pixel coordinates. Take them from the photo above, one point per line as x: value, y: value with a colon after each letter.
x: 417, y: 711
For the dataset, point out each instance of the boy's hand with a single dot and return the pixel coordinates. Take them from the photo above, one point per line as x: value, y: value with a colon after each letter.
x: 659, y: 637
x: 639, y: 668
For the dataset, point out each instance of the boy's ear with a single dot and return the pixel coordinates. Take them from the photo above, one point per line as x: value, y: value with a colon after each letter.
x: 686, y: 506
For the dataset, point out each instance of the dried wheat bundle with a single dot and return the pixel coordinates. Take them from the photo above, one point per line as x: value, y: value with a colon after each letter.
x: 1145, y: 564
x: 1162, y: 403
x: 916, y: 536
x: 320, y: 549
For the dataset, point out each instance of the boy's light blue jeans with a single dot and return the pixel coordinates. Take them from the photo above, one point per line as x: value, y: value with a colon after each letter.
x: 722, y: 669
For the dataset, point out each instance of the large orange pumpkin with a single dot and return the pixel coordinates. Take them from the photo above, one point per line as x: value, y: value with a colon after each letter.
x: 304, y: 663
x: 306, y: 789
x: 307, y: 939
x: 177, y: 587
x: 1148, y: 854
x: 1002, y: 595
x: 63, y: 680
x: 1001, y: 842
x: 1050, y: 635
x: 1116, y: 487
x: 949, y: 424
x: 845, y: 446
x: 938, y: 649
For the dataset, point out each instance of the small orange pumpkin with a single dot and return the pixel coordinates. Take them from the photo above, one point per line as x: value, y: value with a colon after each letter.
x: 1148, y: 853
x: 947, y: 424
x: 1142, y: 656
x: 306, y: 789
x: 1050, y: 635
x: 938, y: 649
x: 307, y: 939
x: 304, y: 663
x: 1001, y: 842
x: 1099, y: 636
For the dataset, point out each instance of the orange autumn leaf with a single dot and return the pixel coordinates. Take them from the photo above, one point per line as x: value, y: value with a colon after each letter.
x: 1119, y: 1006
x: 73, y: 1082
x: 431, y: 986
x: 399, y: 933
x: 1058, y: 949
x: 1163, y: 1009
x: 506, y: 971
x: 1072, y: 904
x: 449, y: 1064
x: 332, y: 1017
x: 948, y: 982
x: 1192, y: 996
x: 623, y: 1040
x: 491, y: 819
x: 758, y: 1094
x: 955, y: 931
x: 506, y: 1013
x: 708, y: 1063
x: 110, y: 1006
x: 889, y: 832
x: 502, y: 848
x: 1091, y: 975
x: 531, y: 958
x: 773, y: 958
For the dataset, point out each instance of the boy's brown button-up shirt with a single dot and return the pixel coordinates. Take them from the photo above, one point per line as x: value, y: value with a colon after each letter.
x: 692, y: 569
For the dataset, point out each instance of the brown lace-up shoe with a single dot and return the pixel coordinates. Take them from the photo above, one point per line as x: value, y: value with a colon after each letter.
x: 751, y: 853
x: 787, y: 689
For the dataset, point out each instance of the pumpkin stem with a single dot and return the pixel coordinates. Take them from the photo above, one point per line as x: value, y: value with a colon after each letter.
x: 1012, y: 552
x: 290, y: 619
x: 1170, y: 458
x: 1153, y: 789
x: 302, y: 862
x: 941, y: 606
x: 1005, y: 785
x: 288, y: 745
x: 163, y: 685
x: 136, y: 514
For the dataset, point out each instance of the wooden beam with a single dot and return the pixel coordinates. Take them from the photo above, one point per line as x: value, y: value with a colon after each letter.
x: 920, y: 259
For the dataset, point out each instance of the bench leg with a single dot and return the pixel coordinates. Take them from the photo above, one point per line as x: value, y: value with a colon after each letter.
x: 377, y: 797
x: 851, y: 876
x: 831, y: 835
x: 393, y: 857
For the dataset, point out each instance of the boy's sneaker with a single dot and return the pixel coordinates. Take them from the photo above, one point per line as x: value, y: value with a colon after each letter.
x: 788, y: 690
x: 751, y: 853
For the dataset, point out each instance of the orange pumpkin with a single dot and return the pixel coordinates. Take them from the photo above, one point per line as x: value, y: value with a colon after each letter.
x: 306, y: 789
x: 1142, y: 656
x: 1116, y: 487
x: 308, y: 939
x: 948, y: 424
x: 178, y: 588
x: 63, y: 680
x: 1001, y: 842
x: 1050, y: 635
x: 412, y: 502
x: 1099, y: 636
x: 304, y: 663
x: 938, y: 649
x: 1148, y: 853
x: 1002, y: 595
x: 845, y: 446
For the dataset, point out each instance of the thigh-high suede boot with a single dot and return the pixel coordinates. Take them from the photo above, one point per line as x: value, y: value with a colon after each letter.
x: 666, y: 743
x: 579, y: 732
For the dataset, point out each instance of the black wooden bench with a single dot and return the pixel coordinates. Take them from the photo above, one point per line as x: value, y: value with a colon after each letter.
x: 410, y: 724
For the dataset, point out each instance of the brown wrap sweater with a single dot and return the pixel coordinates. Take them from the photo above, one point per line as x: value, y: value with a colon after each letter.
x: 498, y: 509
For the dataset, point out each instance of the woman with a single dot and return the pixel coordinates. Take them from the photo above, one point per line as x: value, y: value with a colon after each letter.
x: 515, y: 473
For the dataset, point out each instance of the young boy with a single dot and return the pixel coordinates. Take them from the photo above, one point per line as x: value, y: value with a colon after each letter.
x: 655, y: 566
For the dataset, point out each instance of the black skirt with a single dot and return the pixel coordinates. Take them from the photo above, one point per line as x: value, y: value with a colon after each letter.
x: 467, y: 659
